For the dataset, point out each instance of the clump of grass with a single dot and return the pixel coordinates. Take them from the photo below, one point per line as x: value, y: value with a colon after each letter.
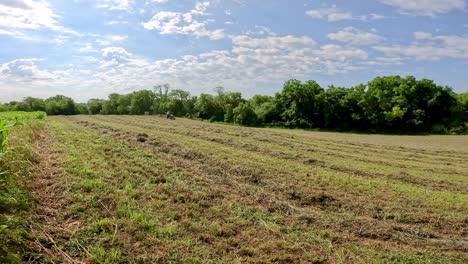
x: 100, y: 255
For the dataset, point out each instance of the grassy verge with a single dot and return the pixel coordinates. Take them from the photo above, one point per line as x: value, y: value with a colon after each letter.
x: 16, y: 161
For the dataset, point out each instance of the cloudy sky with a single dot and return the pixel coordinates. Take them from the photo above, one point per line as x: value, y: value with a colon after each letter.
x: 88, y: 49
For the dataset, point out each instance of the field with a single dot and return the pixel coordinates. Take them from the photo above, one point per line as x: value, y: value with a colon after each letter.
x: 144, y: 189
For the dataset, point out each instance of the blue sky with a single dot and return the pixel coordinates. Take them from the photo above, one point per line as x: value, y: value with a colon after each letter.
x: 88, y: 49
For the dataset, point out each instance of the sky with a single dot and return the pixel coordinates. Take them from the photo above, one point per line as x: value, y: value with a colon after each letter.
x: 88, y: 49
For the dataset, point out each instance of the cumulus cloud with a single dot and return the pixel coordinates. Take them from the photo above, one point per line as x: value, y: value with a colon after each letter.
x: 115, y: 52
x: 184, y: 23
x: 429, y: 47
x: 331, y: 14
x: 426, y: 7
x: 28, y: 14
x: 250, y: 61
x: 354, y: 36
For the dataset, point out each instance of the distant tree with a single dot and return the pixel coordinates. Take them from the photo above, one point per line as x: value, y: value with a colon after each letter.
x: 124, y: 103
x: 208, y: 108
x: 462, y: 102
x: 406, y: 104
x: 60, y: 105
x: 18, y: 106
x: 95, y: 106
x: 141, y: 102
x: 266, y: 108
x: 385, y: 104
x: 229, y: 114
x: 335, y: 112
x: 300, y: 103
x: 82, y: 108
x: 35, y: 104
x: 110, y: 106
x: 178, y: 102
x: 245, y: 115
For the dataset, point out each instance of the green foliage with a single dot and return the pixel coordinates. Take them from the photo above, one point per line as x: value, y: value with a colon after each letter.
x: 60, y: 105
x: 207, y: 108
x: 301, y: 103
x: 245, y: 115
x: 95, y: 106
x: 9, y: 120
x: 12, y: 198
x: 141, y: 102
x: 391, y: 104
x: 406, y: 104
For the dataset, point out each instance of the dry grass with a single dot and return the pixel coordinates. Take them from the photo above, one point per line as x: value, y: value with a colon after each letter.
x: 147, y: 189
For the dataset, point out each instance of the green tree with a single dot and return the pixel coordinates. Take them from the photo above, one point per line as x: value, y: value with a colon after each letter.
x: 95, y: 106
x: 110, y: 106
x: 300, y: 104
x: 123, y: 104
x: 60, y: 105
x: 245, y: 115
x: 178, y: 102
x: 266, y: 108
x: 208, y: 108
x: 35, y: 104
x: 406, y: 104
x: 141, y: 102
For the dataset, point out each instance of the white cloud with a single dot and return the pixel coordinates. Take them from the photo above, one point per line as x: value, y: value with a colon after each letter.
x: 184, y: 23
x: 385, y: 61
x: 25, y: 70
x: 10, y: 33
x: 355, y: 37
x: 426, y: 7
x: 116, y: 22
x: 124, y: 5
x: 107, y: 40
x: 429, y: 47
x: 251, y: 62
x: 261, y: 31
x: 422, y: 35
x: 331, y: 14
x: 115, y: 52
x: 371, y: 16
x: 28, y: 14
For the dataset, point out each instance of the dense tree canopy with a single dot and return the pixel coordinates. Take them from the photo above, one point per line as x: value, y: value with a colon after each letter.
x: 386, y: 104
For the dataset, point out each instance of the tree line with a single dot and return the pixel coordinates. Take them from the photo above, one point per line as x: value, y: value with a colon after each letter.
x: 390, y: 104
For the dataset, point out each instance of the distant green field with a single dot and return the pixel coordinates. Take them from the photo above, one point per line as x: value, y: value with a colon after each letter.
x: 11, y: 115
x: 145, y: 189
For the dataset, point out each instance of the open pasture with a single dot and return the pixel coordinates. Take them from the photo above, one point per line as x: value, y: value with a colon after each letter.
x: 146, y: 189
